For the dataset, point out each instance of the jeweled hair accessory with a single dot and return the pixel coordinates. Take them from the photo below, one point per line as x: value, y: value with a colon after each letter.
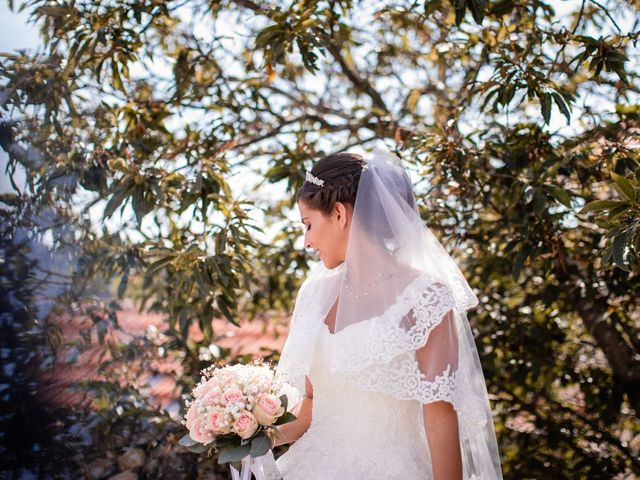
x: 313, y: 179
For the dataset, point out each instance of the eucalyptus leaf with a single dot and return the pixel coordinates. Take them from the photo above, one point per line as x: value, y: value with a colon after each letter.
x: 285, y: 418
x: 260, y: 445
x: 233, y: 454
x: 187, y: 441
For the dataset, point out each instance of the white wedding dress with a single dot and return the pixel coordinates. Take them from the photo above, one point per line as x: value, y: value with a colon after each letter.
x: 356, y: 434
x: 402, y: 339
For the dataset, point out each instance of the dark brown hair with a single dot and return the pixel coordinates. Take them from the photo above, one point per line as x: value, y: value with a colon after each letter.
x: 341, y: 174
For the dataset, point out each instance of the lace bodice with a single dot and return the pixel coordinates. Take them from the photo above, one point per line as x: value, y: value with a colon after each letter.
x: 356, y: 434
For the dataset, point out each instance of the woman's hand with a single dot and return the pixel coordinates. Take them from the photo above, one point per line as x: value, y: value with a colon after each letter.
x: 289, y: 432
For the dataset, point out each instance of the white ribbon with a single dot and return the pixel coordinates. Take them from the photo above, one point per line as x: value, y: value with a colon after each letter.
x: 245, y: 470
x: 248, y: 466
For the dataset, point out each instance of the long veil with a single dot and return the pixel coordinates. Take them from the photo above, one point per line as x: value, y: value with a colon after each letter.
x: 400, y: 305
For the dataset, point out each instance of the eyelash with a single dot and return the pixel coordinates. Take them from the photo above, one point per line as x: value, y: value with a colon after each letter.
x: 308, y: 227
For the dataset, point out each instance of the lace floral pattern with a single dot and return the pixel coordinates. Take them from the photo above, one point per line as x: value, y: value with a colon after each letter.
x: 356, y: 434
x: 402, y: 379
x: 381, y: 338
x: 381, y: 354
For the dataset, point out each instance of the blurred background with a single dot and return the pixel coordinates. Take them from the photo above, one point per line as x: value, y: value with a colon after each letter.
x: 150, y: 153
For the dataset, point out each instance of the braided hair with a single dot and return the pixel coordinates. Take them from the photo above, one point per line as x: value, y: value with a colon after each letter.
x: 341, y: 174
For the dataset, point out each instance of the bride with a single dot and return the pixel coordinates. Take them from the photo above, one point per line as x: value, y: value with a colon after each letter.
x: 379, y: 341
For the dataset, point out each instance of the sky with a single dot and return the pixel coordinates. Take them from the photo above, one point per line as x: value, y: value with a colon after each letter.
x: 16, y: 32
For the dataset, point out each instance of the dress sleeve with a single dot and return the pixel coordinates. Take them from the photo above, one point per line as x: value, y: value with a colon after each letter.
x: 410, y: 352
x: 438, y: 360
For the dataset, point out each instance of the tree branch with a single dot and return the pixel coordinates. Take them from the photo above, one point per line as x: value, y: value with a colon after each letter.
x: 360, y: 83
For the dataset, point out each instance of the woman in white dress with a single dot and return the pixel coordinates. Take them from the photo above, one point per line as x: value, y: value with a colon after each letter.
x: 379, y: 341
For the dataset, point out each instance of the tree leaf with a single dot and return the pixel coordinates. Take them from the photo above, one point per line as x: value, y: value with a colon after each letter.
x: 625, y: 186
x: 123, y: 284
x: 598, y: 205
x: 618, y: 245
x: 562, y: 105
x: 266, y: 36
x: 412, y: 100
x: 460, y: 8
x: 617, y: 212
x: 158, y: 264
x: 117, y: 198
x: 116, y: 78
x: 518, y: 263
x: 545, y: 105
x: 559, y: 194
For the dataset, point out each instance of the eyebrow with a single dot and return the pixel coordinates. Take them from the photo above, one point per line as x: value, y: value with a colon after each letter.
x: 304, y: 218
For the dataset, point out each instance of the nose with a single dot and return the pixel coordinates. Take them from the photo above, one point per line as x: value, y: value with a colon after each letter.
x: 307, y: 243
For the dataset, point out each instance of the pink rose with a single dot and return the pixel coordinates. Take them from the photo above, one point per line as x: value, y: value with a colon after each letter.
x: 245, y: 425
x: 267, y: 409
x: 194, y: 424
x: 192, y: 416
x: 201, y: 390
x: 232, y: 395
x: 211, y: 397
x: 215, y: 422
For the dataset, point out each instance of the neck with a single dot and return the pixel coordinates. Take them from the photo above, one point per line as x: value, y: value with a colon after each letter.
x: 371, y: 262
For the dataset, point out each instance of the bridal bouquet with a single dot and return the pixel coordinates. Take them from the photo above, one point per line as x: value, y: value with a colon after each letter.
x: 231, y: 411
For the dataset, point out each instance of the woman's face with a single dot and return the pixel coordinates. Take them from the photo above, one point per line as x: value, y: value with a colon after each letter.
x: 328, y: 235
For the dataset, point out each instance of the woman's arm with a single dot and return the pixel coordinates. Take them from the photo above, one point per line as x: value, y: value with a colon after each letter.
x: 291, y: 431
x: 440, y: 418
x: 441, y: 427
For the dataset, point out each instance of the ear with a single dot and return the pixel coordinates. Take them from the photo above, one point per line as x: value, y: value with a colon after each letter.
x: 340, y: 212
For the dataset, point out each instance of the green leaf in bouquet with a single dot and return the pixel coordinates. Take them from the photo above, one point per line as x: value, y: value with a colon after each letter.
x: 234, y: 454
x: 193, y: 446
x: 260, y: 445
x: 286, y: 418
x: 199, y: 448
x: 187, y: 441
x: 284, y: 401
x: 224, y: 440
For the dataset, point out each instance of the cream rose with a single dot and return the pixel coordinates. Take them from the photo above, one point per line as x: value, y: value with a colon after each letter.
x: 215, y: 422
x: 267, y: 409
x: 245, y: 424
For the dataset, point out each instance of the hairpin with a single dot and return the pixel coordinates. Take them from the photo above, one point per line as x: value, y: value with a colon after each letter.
x: 313, y: 179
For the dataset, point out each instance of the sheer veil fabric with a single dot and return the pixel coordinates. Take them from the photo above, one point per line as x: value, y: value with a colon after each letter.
x: 401, y: 326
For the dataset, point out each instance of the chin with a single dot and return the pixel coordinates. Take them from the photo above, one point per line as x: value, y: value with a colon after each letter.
x: 331, y: 265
